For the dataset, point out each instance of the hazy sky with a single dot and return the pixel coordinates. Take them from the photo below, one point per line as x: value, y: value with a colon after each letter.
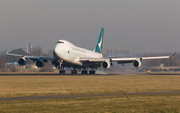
x: 135, y: 25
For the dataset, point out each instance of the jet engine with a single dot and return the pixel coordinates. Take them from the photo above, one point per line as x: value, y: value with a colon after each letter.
x: 22, y: 61
x: 54, y: 62
x: 106, y: 64
x: 40, y: 63
x: 136, y: 63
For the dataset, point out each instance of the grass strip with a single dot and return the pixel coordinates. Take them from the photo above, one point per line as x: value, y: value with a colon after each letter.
x: 116, y: 104
x: 16, y: 86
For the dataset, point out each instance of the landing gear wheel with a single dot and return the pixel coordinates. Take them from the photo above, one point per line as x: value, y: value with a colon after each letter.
x: 73, y: 71
x: 61, y: 72
x: 84, y: 72
x: 92, y: 72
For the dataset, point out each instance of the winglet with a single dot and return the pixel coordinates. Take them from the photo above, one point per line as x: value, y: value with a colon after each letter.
x: 174, y: 54
x: 5, y: 51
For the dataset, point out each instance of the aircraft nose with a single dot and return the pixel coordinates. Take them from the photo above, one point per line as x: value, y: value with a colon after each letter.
x: 55, y: 51
x: 58, y: 51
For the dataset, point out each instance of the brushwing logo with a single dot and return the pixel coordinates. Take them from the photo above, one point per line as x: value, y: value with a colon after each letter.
x: 100, y: 45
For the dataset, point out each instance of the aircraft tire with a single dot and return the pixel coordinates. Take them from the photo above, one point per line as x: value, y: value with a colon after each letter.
x: 84, y: 72
x: 64, y: 71
x: 61, y: 72
x: 74, y: 72
x: 92, y: 72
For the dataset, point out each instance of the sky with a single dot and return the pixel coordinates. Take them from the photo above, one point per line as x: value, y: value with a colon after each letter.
x: 134, y: 25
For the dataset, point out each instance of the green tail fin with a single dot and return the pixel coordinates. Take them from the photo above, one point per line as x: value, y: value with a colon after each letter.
x: 174, y: 54
x: 5, y: 51
x: 98, y: 47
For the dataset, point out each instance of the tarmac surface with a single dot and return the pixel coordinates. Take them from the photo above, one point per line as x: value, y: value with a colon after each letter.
x: 79, y: 96
x: 68, y: 73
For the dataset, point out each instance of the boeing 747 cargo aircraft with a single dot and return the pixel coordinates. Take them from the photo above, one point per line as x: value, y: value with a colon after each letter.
x: 65, y: 54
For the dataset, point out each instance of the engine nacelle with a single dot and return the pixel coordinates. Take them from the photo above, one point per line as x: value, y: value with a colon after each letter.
x: 106, y: 64
x: 22, y: 61
x: 137, y: 63
x: 40, y: 63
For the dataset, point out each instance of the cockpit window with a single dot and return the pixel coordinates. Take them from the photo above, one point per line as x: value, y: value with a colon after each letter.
x: 60, y: 42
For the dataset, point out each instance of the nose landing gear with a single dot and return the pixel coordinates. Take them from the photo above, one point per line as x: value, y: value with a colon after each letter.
x: 61, y: 67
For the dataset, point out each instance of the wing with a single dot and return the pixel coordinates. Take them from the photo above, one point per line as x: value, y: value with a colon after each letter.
x: 130, y: 60
x: 30, y: 57
x: 125, y: 60
x: 107, y: 61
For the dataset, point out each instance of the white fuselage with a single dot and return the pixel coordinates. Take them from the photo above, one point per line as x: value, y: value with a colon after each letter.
x: 70, y: 53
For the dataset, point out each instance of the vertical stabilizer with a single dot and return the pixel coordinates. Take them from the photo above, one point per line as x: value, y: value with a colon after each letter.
x: 98, y: 47
x: 5, y: 51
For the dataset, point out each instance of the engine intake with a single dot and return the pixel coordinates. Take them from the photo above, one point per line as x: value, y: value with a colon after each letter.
x: 40, y: 63
x: 106, y: 64
x: 22, y: 61
x: 136, y: 63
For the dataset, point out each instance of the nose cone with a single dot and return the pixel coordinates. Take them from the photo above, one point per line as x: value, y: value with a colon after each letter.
x: 55, y: 51
x: 58, y: 51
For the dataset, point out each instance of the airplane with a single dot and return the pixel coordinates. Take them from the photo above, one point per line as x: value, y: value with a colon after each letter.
x: 65, y: 54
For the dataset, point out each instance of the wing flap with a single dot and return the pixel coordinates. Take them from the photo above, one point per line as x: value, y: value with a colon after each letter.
x: 159, y: 57
x: 123, y: 59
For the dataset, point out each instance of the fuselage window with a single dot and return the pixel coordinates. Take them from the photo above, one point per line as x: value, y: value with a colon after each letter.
x: 60, y: 42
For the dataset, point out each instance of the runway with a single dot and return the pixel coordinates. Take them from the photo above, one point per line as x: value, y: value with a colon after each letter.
x: 79, y: 74
x: 80, y: 96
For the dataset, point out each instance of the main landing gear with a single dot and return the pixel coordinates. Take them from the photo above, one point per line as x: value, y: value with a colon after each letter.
x: 74, y: 72
x: 84, y: 72
x: 91, y: 72
x: 62, y: 71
